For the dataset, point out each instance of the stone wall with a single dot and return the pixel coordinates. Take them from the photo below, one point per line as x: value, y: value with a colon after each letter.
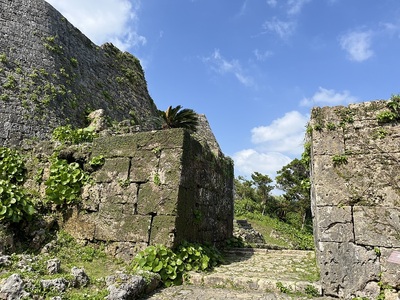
x: 51, y: 74
x: 355, y: 199
x: 158, y: 187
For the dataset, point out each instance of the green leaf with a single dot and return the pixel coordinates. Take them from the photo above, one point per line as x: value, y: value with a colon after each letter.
x: 158, y: 267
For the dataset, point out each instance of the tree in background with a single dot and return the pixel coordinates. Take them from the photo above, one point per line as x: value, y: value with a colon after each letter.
x: 254, y: 194
x: 179, y: 118
x: 263, y: 189
x: 294, y: 180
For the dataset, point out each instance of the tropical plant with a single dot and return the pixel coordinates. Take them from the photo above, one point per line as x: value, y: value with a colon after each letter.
x: 65, y: 182
x: 67, y: 134
x: 179, y: 118
x: 173, y: 265
x: 15, y: 204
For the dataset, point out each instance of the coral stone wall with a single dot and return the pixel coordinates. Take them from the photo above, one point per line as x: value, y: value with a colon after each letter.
x: 355, y: 199
x: 159, y: 187
x: 51, y: 74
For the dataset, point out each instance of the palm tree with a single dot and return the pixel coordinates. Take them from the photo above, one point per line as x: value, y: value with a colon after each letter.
x: 177, y: 118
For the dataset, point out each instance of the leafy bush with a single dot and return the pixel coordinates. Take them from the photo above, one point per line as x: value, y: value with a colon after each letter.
x: 172, y: 266
x: 15, y: 204
x: 386, y: 116
x: 12, y: 167
x: 67, y: 134
x: 65, y: 181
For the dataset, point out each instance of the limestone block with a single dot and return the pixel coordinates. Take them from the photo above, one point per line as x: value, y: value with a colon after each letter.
x: 328, y: 142
x: 346, y: 269
x: 334, y: 223
x: 144, y: 163
x: 113, y: 192
x: 160, y: 199
x: 126, y: 145
x: 80, y: 225
x: 124, y: 250
x: 372, y: 138
x: 329, y: 182
x: 128, y: 228
x: 377, y: 226
x: 170, y: 167
x: 114, y: 169
x: 390, y: 270
x: 363, y: 180
x: 163, y: 230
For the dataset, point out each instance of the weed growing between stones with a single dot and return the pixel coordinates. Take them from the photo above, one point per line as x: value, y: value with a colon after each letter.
x: 393, y: 114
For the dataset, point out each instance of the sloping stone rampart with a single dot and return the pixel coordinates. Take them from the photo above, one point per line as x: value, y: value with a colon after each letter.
x: 157, y: 187
x: 355, y: 199
x: 51, y: 74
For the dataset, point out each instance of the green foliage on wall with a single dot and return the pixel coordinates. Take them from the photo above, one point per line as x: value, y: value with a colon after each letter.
x: 393, y: 114
x: 15, y: 205
x: 67, y: 134
x: 65, y: 182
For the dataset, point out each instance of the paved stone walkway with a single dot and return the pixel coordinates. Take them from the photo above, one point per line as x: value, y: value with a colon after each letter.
x: 251, y: 274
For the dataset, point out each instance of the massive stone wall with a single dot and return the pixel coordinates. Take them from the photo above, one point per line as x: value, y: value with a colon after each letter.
x: 51, y: 74
x: 355, y: 199
x: 156, y: 187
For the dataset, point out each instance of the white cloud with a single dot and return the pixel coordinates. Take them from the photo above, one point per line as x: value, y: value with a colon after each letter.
x: 295, y: 6
x: 222, y: 66
x: 104, y: 20
x: 281, y: 28
x: 261, y: 56
x: 325, y: 97
x: 249, y: 161
x: 284, y: 134
x: 358, y: 45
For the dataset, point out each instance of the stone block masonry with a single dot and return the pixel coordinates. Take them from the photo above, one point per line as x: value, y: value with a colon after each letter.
x: 51, y: 74
x: 157, y: 187
x: 355, y: 199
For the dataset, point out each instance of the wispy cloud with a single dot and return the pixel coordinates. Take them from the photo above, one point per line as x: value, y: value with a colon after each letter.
x: 103, y: 21
x: 282, y: 28
x: 274, y: 145
x: 357, y: 44
x: 261, y: 56
x: 326, y: 97
x: 272, y: 3
x: 223, y: 66
x: 295, y: 6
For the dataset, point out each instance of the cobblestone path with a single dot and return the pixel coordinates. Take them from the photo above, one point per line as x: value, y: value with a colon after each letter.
x: 252, y: 274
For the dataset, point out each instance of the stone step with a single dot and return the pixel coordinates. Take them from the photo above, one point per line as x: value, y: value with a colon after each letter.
x: 262, y: 270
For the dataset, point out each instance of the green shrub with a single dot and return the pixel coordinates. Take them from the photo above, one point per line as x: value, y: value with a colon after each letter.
x: 65, y: 181
x: 386, y: 116
x: 173, y: 265
x: 67, y: 134
x: 12, y: 167
x: 15, y: 204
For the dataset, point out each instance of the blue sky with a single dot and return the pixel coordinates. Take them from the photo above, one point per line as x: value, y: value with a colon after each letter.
x: 255, y: 68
